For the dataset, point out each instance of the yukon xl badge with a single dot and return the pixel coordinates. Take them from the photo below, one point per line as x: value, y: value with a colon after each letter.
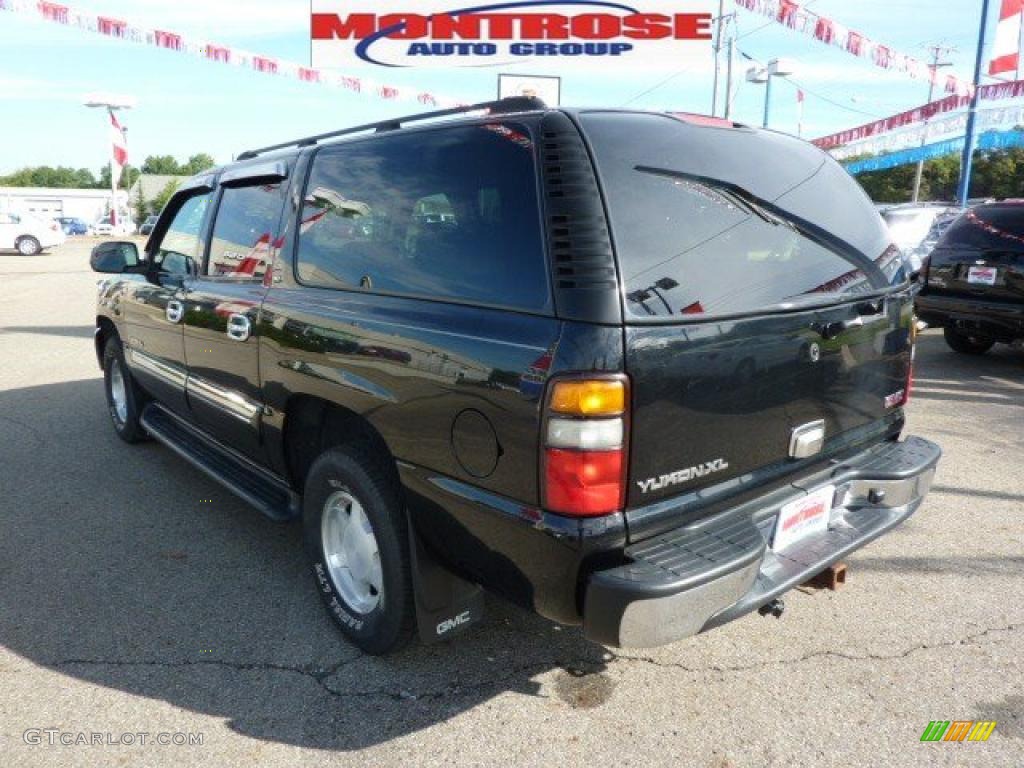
x: 682, y: 475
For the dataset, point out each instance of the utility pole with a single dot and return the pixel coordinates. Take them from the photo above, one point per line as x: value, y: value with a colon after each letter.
x: 728, y: 77
x: 967, y: 159
x: 938, y: 51
x: 718, y: 50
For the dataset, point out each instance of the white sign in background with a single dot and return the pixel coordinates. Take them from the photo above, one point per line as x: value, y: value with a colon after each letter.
x: 530, y: 36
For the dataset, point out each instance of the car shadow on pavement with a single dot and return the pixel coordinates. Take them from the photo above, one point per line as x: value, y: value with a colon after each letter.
x: 124, y: 567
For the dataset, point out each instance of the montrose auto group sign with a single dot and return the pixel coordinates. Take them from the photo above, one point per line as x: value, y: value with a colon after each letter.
x: 391, y: 33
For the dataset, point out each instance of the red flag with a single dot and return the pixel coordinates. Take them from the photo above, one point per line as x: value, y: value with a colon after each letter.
x: 855, y: 43
x: 1006, y: 48
x: 825, y: 30
x: 120, y: 145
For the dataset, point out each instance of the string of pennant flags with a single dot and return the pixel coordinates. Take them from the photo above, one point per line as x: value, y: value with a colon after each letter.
x: 991, y: 92
x: 791, y: 14
x: 993, y: 118
x: 120, y: 29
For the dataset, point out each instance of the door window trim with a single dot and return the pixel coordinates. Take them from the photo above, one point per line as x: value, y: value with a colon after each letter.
x: 253, y: 181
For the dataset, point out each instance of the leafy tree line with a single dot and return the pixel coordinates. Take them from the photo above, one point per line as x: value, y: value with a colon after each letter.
x: 995, y: 173
x: 63, y: 177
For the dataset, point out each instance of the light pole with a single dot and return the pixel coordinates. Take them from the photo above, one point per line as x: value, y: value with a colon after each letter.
x: 763, y: 75
x: 111, y: 103
x: 963, y: 189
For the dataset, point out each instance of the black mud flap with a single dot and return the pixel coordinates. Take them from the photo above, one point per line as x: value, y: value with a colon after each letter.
x: 446, y: 605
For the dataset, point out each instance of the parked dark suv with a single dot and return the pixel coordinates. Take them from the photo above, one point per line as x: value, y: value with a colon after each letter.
x: 627, y: 370
x: 974, y: 279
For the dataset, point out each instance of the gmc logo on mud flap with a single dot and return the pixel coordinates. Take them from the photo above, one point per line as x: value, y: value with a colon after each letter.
x: 449, y: 624
x: 682, y: 475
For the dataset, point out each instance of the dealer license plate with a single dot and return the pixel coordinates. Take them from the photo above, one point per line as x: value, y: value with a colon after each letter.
x: 982, y: 275
x: 803, y: 517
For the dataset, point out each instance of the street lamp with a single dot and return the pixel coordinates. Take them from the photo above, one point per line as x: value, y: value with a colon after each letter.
x: 111, y: 102
x: 763, y: 75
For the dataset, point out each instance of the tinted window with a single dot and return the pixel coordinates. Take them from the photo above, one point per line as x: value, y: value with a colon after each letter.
x: 450, y: 213
x: 181, y: 247
x: 989, y: 227
x: 699, y: 233
x: 246, y: 226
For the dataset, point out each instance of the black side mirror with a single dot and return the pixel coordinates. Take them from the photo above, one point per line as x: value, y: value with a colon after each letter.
x: 114, y: 257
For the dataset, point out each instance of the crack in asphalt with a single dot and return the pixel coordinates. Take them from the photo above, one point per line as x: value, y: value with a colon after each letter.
x: 578, y: 667
x: 968, y: 640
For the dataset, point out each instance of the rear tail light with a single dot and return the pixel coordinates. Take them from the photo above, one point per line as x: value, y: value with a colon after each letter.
x: 584, y: 460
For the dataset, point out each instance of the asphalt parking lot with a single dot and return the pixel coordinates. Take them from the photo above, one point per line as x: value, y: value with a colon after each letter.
x: 136, y: 596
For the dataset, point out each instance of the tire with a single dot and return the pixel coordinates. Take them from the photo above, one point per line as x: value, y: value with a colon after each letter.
x: 124, y: 398
x: 28, y: 246
x: 967, y: 344
x: 351, y: 491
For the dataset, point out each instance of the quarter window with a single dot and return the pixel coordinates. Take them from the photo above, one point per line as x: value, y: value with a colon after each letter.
x: 244, y: 232
x: 449, y: 213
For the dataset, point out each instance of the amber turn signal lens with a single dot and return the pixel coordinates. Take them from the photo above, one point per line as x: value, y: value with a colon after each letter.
x: 594, y: 397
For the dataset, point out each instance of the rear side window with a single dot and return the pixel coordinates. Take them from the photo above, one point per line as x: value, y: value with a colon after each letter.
x: 445, y: 214
x: 243, y: 234
x: 987, y: 227
x: 690, y: 245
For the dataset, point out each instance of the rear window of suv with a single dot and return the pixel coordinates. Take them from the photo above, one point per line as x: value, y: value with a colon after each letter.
x: 690, y: 245
x: 442, y: 214
x: 988, y: 227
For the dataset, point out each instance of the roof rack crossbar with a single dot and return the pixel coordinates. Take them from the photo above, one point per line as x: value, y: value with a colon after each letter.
x: 498, y: 107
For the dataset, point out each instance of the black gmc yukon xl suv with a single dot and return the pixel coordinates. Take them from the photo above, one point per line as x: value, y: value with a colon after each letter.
x: 973, y: 281
x: 629, y: 370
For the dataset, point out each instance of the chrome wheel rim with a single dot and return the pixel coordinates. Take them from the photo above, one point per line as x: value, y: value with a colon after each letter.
x: 26, y: 247
x: 118, y: 393
x: 351, y: 552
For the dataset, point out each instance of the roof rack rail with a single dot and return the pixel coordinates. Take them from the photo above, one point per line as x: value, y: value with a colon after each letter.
x: 499, y: 107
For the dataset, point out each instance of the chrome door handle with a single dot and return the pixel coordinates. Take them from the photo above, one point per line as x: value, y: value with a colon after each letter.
x: 239, y: 327
x: 175, y: 311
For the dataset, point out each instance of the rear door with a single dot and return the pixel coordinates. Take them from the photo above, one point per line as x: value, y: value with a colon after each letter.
x: 758, y: 287
x: 982, y: 255
x: 223, y: 305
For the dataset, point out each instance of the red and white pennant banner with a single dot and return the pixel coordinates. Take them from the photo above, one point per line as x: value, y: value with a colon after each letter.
x: 793, y: 15
x: 993, y: 92
x: 120, y: 29
x: 948, y: 126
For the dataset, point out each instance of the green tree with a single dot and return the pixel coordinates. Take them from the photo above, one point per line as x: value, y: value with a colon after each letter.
x: 141, y: 206
x: 162, y: 165
x: 60, y: 177
x: 995, y: 173
x: 165, y: 194
x: 129, y: 175
x: 197, y: 164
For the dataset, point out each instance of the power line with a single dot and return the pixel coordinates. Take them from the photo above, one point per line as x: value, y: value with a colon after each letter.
x: 683, y: 71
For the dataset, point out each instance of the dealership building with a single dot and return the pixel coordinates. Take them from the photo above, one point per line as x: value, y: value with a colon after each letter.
x: 90, y: 205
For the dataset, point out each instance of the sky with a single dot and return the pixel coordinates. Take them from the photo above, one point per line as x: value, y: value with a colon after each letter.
x: 186, y: 105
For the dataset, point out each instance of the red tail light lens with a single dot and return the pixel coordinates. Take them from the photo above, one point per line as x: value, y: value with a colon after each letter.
x: 583, y: 470
x: 584, y: 483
